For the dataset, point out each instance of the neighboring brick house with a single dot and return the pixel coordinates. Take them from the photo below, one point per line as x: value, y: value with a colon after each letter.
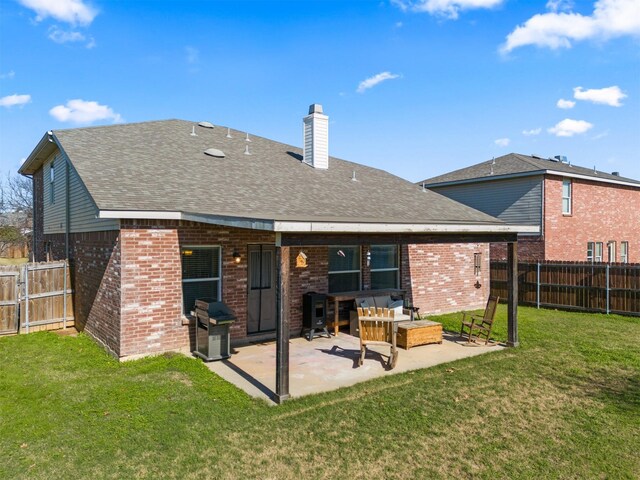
x: 153, y: 215
x: 583, y: 214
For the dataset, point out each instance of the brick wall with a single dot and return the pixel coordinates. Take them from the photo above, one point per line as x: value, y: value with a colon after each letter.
x: 440, y: 277
x: 94, y: 261
x: 314, y: 278
x: 530, y: 249
x: 152, y: 319
x: 600, y: 213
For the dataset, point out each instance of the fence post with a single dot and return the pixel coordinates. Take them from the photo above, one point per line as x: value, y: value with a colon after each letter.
x: 538, y: 287
x: 608, y: 308
x: 26, y: 298
x: 64, y: 297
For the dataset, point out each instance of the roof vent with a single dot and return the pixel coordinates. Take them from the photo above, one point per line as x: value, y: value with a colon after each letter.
x: 214, y: 152
x: 246, y: 150
x: 206, y: 124
x: 316, y: 138
x: 560, y: 158
x: 229, y: 133
x: 615, y: 174
x: 247, y: 139
x: 594, y: 170
x: 193, y: 131
x: 353, y: 177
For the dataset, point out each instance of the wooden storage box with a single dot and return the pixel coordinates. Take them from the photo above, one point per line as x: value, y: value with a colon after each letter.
x: 420, y: 332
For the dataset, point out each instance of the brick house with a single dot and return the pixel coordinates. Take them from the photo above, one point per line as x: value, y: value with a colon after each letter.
x: 153, y: 215
x: 583, y: 214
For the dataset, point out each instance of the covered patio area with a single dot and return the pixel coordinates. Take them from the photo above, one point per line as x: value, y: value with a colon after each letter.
x: 326, y: 364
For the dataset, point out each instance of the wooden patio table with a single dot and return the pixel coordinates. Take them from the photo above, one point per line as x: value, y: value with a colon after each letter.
x: 338, y: 297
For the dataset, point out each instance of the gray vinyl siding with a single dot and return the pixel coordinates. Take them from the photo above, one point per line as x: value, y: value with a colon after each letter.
x: 516, y: 201
x: 82, y: 209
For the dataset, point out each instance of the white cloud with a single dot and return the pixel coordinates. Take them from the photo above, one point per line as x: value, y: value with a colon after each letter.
x: 375, y: 80
x: 398, y: 24
x: 610, y: 18
x: 569, y: 127
x: 7, y: 75
x: 601, y: 135
x: 532, y: 132
x: 61, y: 36
x: 606, y: 96
x: 13, y: 100
x: 502, y: 142
x: 559, y: 5
x: 81, y: 111
x: 70, y: 11
x: 565, y: 104
x: 446, y: 8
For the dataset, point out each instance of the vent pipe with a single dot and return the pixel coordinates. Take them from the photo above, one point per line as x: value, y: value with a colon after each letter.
x: 316, y: 138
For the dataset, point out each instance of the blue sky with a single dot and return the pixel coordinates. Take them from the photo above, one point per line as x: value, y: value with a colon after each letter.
x: 417, y: 88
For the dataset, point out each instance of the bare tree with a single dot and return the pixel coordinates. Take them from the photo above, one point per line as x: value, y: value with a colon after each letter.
x: 16, y: 208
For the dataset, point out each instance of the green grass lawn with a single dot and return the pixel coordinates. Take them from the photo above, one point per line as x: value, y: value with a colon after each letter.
x: 565, y: 404
x: 13, y: 261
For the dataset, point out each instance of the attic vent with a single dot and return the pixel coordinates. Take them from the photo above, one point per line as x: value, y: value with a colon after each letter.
x: 214, y: 152
x: 560, y: 158
x: 229, y: 133
x: 206, y: 124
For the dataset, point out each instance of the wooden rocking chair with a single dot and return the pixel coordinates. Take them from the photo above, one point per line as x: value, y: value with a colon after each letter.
x: 480, y: 325
x: 377, y: 328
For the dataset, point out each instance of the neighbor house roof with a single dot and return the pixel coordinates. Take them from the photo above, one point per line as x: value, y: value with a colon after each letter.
x: 159, y: 170
x: 515, y: 164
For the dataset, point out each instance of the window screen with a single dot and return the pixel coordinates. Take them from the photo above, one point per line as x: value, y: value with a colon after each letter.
x: 200, y: 275
x: 624, y: 252
x: 344, y: 269
x: 384, y: 266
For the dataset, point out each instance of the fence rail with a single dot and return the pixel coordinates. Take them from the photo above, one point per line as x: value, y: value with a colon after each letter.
x: 592, y: 287
x: 35, y: 296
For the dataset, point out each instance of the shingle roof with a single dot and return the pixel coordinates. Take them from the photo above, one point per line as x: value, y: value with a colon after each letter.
x: 159, y: 166
x: 515, y: 163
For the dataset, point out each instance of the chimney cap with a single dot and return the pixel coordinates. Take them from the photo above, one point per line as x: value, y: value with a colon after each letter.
x: 315, y: 108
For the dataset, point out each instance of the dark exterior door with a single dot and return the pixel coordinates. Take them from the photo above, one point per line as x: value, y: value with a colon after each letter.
x: 261, y: 302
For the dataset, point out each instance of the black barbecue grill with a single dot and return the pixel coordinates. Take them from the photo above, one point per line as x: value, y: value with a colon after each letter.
x: 213, y: 320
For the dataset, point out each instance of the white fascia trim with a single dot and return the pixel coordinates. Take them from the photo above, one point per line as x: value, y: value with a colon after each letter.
x: 592, y: 178
x: 139, y: 214
x: 327, y: 227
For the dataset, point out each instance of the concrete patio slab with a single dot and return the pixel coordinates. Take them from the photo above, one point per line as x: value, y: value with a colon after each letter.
x: 326, y: 364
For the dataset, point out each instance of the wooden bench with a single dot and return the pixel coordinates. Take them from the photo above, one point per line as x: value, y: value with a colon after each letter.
x: 420, y: 332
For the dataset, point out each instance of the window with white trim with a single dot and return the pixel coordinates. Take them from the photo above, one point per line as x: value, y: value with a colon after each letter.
x: 598, y: 253
x: 52, y: 178
x: 200, y: 275
x: 590, y: 248
x: 344, y: 269
x: 624, y: 252
x: 566, y: 196
x: 611, y: 251
x: 385, y: 266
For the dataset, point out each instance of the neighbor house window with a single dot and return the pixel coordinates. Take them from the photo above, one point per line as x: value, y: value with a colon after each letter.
x: 477, y: 263
x: 200, y: 275
x: 611, y: 250
x: 598, y: 254
x: 52, y: 177
x: 566, y: 196
x: 344, y: 269
x: 590, y: 248
x: 624, y: 252
x: 385, y: 266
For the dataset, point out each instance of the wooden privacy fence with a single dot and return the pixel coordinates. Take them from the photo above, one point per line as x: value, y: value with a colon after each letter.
x: 35, y: 296
x: 592, y: 287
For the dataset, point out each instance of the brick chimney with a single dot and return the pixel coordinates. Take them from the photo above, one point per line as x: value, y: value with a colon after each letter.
x: 316, y: 138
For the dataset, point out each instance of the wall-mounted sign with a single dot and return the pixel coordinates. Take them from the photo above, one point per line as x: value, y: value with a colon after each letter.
x: 301, y: 260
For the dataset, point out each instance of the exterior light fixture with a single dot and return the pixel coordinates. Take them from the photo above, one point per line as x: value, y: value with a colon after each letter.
x: 368, y: 258
x: 236, y: 256
x: 187, y: 253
